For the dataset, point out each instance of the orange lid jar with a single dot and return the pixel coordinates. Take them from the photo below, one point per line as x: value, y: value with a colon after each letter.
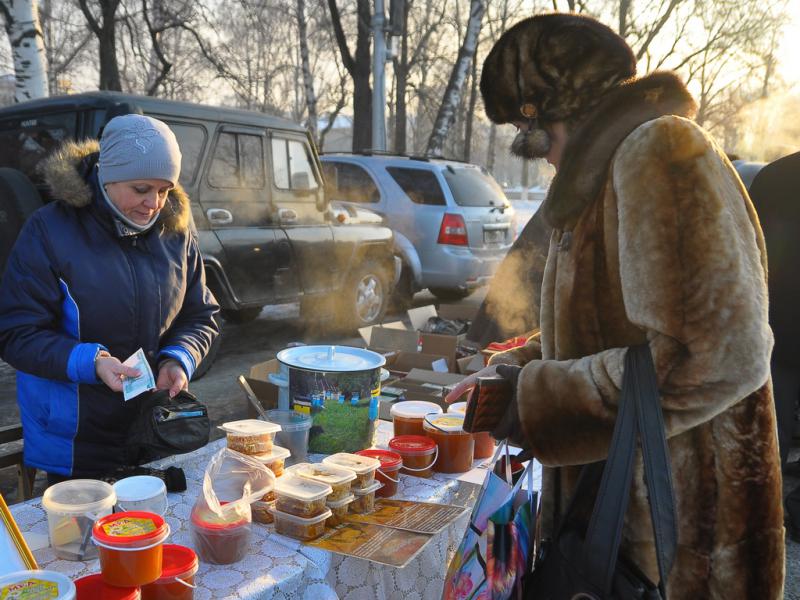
x: 456, y: 446
x: 130, y: 546
x: 407, y: 416
x: 417, y: 452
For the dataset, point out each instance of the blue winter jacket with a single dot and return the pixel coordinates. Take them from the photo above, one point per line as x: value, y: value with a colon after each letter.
x: 75, y: 284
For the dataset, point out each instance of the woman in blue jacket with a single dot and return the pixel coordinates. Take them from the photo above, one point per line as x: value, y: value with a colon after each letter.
x: 108, y: 268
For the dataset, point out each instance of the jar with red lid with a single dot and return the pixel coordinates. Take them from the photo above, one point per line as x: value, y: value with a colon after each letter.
x: 407, y: 416
x: 92, y: 587
x: 130, y: 546
x: 178, y: 568
x: 484, y: 442
x: 388, y: 472
x: 417, y: 452
x: 220, y: 539
x: 456, y: 446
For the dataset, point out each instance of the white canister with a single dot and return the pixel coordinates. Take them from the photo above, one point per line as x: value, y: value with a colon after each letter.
x: 141, y: 493
x: 36, y: 584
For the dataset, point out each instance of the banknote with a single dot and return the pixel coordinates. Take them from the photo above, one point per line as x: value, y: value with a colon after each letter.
x: 133, y: 386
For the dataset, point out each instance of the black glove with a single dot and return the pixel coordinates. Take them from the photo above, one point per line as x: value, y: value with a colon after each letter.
x: 509, y: 426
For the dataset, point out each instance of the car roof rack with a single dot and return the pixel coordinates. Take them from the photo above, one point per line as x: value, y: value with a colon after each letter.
x: 371, y: 152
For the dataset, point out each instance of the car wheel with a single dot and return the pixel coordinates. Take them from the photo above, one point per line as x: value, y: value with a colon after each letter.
x: 18, y: 200
x: 450, y: 294
x: 205, y: 365
x: 365, y: 298
x: 242, y: 315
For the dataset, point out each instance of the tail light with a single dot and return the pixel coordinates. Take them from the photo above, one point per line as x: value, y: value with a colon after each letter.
x: 453, y: 230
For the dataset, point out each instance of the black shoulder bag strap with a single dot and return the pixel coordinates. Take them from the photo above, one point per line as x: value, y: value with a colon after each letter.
x: 639, y: 411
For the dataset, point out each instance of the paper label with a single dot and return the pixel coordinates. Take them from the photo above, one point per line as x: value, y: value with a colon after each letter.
x: 132, y: 387
x: 129, y: 527
x: 30, y: 589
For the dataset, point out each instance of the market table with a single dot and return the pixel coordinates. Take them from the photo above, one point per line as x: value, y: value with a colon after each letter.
x: 280, y: 567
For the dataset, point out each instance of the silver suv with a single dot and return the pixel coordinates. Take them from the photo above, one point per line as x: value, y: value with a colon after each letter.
x: 452, y: 222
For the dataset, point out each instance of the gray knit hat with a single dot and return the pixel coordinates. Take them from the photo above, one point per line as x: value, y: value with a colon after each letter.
x: 138, y: 147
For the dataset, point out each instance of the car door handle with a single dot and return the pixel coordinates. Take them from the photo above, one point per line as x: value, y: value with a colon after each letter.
x: 219, y: 216
x: 287, y: 216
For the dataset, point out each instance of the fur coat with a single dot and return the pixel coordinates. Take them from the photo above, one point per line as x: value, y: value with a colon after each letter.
x: 656, y: 240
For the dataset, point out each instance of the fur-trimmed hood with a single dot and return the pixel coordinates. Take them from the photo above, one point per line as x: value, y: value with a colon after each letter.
x: 62, y: 173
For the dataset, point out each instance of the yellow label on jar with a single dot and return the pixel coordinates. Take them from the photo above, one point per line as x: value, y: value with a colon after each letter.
x: 30, y: 589
x: 448, y: 421
x: 129, y: 527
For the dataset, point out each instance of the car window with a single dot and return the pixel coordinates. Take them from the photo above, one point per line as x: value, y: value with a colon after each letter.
x: 420, y: 185
x: 291, y: 165
x: 251, y: 159
x: 25, y: 142
x: 238, y: 161
x: 350, y: 183
x: 473, y: 187
x: 192, y: 141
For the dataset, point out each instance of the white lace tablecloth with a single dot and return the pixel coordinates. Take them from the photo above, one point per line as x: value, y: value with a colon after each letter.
x: 282, y: 568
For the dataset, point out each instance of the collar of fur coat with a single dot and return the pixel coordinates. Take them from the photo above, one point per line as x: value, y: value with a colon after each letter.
x: 584, y: 167
x: 62, y: 172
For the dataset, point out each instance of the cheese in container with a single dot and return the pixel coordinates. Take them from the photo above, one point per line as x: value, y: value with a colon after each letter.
x: 363, y: 466
x: 300, y: 497
x: 339, y: 478
x: 250, y: 436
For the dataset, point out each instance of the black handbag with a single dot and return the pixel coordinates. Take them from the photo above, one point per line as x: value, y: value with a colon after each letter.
x: 573, y: 566
x: 167, y: 426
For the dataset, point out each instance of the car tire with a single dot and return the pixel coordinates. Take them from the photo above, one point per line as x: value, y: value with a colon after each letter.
x: 450, y: 294
x: 241, y: 315
x: 205, y: 365
x: 365, y: 297
x: 18, y: 201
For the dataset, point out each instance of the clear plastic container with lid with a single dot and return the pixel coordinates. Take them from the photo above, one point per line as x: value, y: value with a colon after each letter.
x: 295, y: 427
x: 300, y: 528
x: 131, y: 547
x: 220, y: 539
x: 92, y: 587
x: 72, y: 507
x: 274, y: 460
x: 456, y: 446
x: 339, y: 509
x: 407, y: 416
x: 178, y: 569
x: 388, y: 472
x: 250, y: 436
x: 418, y: 452
x: 339, y: 478
x: 22, y: 585
x: 484, y: 442
x: 363, y: 466
x: 300, y: 497
x: 364, y: 501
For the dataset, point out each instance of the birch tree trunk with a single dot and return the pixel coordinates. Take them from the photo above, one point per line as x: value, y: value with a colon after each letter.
x: 452, y: 94
x: 27, y: 45
x: 308, y: 79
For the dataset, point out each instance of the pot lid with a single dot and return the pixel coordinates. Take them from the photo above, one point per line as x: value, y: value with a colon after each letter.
x: 331, y: 358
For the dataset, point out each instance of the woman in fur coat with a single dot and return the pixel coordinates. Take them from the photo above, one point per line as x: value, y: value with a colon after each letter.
x: 654, y: 240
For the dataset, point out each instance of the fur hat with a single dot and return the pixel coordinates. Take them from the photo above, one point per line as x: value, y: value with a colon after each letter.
x: 552, y: 67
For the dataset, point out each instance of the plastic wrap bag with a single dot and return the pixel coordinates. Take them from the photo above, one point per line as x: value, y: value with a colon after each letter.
x: 221, y: 516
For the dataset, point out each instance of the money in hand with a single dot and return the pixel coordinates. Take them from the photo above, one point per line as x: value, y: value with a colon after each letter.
x: 133, y: 386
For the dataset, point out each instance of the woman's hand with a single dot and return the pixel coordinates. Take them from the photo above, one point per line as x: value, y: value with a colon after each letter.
x: 172, y: 377
x: 468, y: 384
x: 111, y: 371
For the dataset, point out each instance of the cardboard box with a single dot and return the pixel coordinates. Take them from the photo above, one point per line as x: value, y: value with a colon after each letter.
x: 429, y: 386
x: 266, y: 392
x: 470, y: 364
x: 400, y: 363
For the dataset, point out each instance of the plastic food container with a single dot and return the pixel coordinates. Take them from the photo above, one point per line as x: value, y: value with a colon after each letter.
x: 418, y: 452
x: 274, y: 460
x: 363, y: 466
x: 92, y: 587
x: 130, y: 547
x: 294, y: 431
x: 388, y: 472
x: 339, y: 509
x: 339, y: 478
x: 219, y: 540
x: 300, y: 528
x: 72, y: 508
x: 143, y: 493
x: 456, y: 446
x: 484, y: 442
x: 178, y: 569
x: 250, y: 436
x: 364, y: 501
x: 407, y: 417
x: 22, y: 585
x: 300, y: 497
x: 262, y: 511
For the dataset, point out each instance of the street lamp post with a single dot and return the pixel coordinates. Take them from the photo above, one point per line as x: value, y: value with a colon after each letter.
x: 378, y: 78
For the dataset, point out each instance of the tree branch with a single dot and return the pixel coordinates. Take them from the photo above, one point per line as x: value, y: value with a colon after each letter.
x: 341, y: 41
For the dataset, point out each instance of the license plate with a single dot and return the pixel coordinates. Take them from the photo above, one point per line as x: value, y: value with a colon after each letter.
x: 494, y: 236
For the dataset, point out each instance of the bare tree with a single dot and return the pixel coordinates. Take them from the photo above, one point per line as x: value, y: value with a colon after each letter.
x: 104, y: 27
x: 27, y: 46
x: 308, y: 78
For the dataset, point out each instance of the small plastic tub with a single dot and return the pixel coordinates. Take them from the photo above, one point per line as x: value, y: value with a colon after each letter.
x: 407, y: 416
x: 299, y: 528
x: 389, y: 471
x: 178, y: 569
x: 92, y: 587
x: 363, y: 466
x: 141, y: 493
x: 300, y: 497
x: 219, y: 539
x: 339, y: 509
x: 364, y: 501
x: 339, y: 478
x: 250, y: 436
x: 419, y: 453
x: 262, y: 511
x: 36, y: 584
x: 72, y: 507
x: 274, y: 460
x: 484, y: 442
x: 456, y: 446
x: 131, y: 547
x: 294, y: 431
